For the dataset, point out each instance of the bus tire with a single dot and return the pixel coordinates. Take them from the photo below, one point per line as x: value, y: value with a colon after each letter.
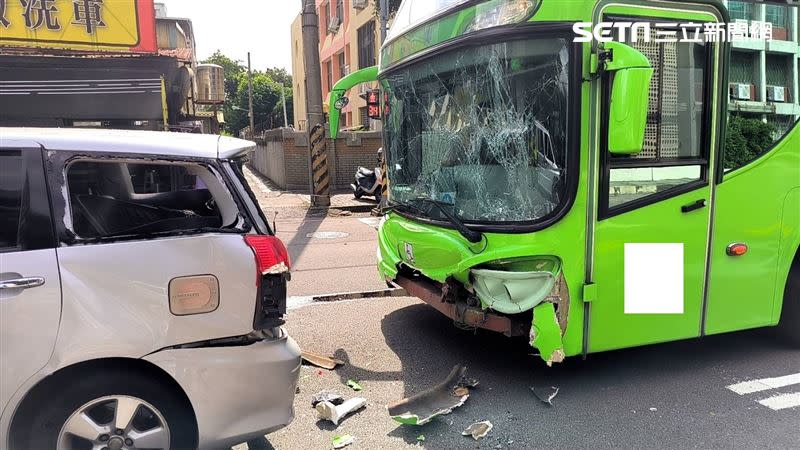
x: 789, y: 324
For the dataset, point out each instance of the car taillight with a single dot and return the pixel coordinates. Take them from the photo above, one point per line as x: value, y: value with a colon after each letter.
x: 272, y: 265
x: 271, y: 255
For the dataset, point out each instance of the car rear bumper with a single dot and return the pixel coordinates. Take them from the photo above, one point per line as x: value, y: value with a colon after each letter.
x: 237, y: 392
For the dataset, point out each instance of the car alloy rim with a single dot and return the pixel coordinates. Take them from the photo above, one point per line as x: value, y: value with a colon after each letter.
x: 116, y: 422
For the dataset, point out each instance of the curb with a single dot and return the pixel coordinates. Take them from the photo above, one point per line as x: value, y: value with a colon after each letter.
x: 388, y: 292
x: 352, y: 208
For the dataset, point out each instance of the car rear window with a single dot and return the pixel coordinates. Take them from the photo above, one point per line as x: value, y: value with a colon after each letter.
x: 114, y: 199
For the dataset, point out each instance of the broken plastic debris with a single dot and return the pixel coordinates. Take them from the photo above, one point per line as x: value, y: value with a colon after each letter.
x: 546, y: 333
x: 468, y: 382
x: 354, y: 384
x: 420, y: 408
x: 545, y: 393
x: 326, y: 396
x: 342, y: 441
x: 460, y: 391
x: 335, y: 414
x: 478, y: 430
x: 319, y: 360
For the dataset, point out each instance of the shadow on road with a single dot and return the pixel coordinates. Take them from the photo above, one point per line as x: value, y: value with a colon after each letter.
x: 428, y: 346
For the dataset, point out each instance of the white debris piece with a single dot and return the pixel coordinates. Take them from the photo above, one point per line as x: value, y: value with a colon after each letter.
x: 329, y: 411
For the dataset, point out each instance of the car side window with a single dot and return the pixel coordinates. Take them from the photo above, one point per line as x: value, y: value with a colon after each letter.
x: 12, y: 184
x: 764, y: 92
x: 674, y: 156
x: 133, y: 199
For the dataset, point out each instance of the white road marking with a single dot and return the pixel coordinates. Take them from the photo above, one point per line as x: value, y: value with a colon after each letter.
x: 782, y: 401
x: 763, y: 384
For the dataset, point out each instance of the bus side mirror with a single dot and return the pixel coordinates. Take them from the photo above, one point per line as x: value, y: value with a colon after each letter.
x: 630, y: 93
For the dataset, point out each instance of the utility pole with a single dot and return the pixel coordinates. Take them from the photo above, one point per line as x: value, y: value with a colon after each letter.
x: 318, y: 154
x: 250, y: 94
x: 384, y: 14
x: 283, y: 99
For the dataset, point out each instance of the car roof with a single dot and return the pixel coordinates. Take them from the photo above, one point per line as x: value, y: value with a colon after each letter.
x: 129, y: 141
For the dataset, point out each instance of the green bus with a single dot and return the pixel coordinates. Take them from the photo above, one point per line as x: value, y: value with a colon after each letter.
x: 592, y: 175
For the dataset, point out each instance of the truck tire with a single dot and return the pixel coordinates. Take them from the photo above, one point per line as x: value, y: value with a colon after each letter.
x: 114, y: 409
x: 789, y: 325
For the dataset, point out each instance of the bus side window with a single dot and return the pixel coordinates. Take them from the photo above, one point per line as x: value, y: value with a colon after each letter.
x: 674, y: 157
x: 763, y: 90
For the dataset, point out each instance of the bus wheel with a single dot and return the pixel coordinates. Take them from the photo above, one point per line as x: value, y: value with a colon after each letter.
x: 789, y: 325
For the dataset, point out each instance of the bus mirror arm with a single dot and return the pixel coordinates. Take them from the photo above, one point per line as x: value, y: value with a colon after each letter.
x: 629, y: 73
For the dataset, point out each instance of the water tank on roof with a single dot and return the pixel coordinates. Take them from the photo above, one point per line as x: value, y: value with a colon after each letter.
x: 210, y: 83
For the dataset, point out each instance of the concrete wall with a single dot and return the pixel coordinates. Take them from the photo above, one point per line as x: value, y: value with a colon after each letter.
x: 282, y: 156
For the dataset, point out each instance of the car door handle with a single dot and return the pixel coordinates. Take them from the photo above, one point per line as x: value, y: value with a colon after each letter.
x: 22, y: 283
x: 692, y: 206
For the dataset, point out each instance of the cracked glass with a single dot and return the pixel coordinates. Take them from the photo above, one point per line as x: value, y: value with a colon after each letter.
x: 481, y: 130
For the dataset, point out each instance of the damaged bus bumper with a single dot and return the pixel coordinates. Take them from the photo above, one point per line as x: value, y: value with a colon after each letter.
x: 516, y: 294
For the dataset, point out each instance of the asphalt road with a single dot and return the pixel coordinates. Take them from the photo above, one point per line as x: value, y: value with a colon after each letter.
x: 662, y: 396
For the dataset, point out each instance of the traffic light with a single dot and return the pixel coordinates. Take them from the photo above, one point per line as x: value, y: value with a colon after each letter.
x: 374, y: 104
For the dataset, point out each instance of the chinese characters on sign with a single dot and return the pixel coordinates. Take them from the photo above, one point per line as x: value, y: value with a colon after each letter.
x: 740, y: 30
x: 45, y: 13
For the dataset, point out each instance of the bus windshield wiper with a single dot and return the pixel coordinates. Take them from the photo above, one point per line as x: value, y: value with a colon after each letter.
x: 470, y: 235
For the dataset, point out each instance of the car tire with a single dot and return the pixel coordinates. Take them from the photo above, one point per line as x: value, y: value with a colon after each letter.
x: 789, y: 324
x: 98, y: 396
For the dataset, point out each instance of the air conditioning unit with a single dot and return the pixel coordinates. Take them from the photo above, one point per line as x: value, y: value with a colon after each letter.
x: 740, y: 91
x: 776, y: 94
x: 333, y: 25
x: 360, y: 4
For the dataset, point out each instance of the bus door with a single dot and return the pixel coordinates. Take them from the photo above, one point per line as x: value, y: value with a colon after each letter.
x: 653, y: 208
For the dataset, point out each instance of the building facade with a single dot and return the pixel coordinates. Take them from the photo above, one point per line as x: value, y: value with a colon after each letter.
x: 764, y: 74
x: 349, y: 40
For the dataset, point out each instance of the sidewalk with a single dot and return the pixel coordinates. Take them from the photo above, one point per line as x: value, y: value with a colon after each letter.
x: 278, y: 199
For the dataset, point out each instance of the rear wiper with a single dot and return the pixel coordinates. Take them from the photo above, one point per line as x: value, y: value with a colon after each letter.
x: 470, y: 235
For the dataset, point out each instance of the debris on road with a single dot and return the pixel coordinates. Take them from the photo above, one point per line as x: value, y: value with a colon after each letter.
x: 326, y: 396
x: 421, y: 438
x: 319, y: 360
x: 467, y: 382
x: 342, y: 441
x: 441, y: 399
x: 354, y: 384
x: 653, y: 409
x: 335, y: 414
x: 478, y: 430
x: 545, y: 393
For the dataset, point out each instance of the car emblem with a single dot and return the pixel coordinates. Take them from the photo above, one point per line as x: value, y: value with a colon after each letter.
x: 409, y: 252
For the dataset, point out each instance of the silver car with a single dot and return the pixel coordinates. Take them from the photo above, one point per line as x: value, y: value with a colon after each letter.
x: 142, y: 294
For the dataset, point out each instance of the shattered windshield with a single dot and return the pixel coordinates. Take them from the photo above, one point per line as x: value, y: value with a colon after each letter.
x: 481, y: 130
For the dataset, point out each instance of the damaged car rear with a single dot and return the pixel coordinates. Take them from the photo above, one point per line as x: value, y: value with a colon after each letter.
x: 143, y: 294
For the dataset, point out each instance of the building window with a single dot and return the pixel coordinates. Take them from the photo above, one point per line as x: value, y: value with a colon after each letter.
x: 363, y: 113
x: 343, y: 69
x: 740, y: 10
x: 366, y: 45
x: 340, y: 10
x: 329, y: 72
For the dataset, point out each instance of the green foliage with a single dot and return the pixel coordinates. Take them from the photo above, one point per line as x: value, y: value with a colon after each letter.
x: 746, y: 139
x: 267, y: 107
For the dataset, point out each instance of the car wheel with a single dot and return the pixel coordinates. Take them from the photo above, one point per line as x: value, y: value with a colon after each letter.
x: 789, y: 325
x: 114, y: 411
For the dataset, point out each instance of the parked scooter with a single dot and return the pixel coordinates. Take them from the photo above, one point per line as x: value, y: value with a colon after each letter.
x: 369, y: 182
